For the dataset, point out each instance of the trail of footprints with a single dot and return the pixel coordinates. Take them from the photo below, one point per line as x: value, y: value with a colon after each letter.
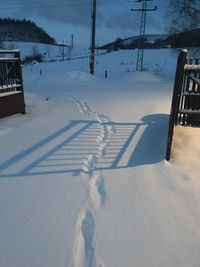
x: 84, y: 254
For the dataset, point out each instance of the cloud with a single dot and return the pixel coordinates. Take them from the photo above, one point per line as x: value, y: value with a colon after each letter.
x: 125, y: 20
x: 112, y: 14
x: 76, y: 12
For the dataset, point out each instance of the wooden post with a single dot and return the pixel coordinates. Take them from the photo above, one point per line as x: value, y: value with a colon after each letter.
x: 19, y: 67
x: 106, y: 74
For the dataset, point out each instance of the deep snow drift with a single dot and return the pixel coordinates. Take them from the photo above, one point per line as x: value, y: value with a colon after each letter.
x: 83, y: 179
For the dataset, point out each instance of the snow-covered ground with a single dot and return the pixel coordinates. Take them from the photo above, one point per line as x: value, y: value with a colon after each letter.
x: 83, y: 176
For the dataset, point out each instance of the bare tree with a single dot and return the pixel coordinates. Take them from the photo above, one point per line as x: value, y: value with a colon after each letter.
x: 185, y: 15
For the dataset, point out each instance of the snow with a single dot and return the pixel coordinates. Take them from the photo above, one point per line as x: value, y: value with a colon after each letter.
x: 83, y: 176
x: 192, y: 67
x: 9, y: 93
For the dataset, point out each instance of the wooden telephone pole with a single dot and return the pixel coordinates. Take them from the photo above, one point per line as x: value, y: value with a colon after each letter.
x: 140, y: 53
x: 93, y: 35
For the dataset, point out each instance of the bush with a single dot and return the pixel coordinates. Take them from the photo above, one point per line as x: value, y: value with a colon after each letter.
x: 31, y: 58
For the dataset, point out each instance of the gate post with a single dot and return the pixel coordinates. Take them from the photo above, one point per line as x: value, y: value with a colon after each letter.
x: 182, y: 59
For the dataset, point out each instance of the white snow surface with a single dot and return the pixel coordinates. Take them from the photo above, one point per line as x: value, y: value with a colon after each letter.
x: 83, y: 176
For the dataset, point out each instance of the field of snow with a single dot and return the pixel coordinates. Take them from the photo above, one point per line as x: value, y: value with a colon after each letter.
x: 83, y: 176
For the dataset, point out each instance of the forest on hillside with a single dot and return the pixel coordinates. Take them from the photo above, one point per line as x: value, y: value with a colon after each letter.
x: 23, y: 30
x: 177, y: 40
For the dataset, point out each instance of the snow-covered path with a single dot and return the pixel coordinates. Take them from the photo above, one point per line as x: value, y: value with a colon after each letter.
x: 84, y: 183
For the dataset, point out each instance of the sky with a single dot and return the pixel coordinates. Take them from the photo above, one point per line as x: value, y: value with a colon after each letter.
x: 62, y: 18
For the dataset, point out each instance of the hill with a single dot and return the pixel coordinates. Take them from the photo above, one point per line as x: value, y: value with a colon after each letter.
x: 149, y: 41
x: 23, y: 30
x: 183, y: 39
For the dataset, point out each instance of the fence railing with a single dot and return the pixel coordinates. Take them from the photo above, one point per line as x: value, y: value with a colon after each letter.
x: 185, y: 106
x: 189, y: 106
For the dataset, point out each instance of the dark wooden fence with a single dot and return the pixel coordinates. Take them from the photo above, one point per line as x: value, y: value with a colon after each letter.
x: 185, y: 107
x: 11, y: 83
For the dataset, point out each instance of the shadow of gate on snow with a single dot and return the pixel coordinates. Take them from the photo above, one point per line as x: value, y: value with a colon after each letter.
x: 131, y: 144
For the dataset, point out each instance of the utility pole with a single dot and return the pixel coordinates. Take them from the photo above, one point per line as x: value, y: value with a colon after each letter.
x: 93, y: 32
x: 140, y: 52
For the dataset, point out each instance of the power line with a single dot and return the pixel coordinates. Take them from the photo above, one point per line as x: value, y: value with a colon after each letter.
x: 140, y: 53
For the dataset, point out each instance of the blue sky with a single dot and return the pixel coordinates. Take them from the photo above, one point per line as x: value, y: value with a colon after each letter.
x: 62, y: 18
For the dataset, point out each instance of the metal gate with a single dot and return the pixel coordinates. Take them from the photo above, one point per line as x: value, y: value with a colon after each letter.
x: 11, y: 83
x: 185, y: 106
